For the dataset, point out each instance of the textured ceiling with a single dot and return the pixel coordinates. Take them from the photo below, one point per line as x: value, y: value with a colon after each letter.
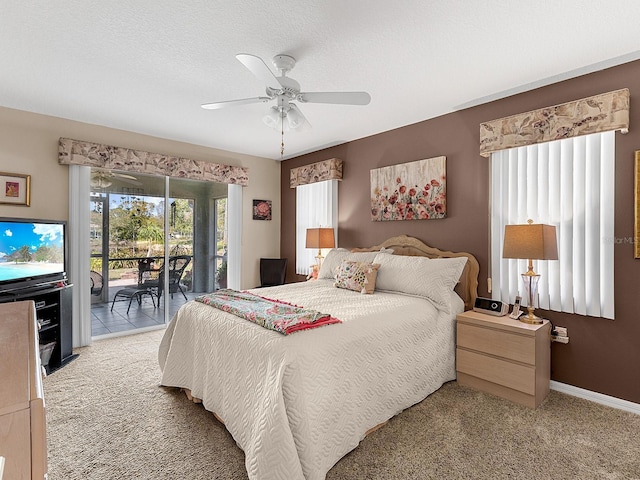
x: 147, y: 65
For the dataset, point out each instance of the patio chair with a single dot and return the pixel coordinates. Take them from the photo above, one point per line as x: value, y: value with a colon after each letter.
x: 96, y: 283
x: 177, y: 266
x: 145, y: 267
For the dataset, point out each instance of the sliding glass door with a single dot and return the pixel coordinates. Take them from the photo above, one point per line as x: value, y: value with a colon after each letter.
x: 153, y: 245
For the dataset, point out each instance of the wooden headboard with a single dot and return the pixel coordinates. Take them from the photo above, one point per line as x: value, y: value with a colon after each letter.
x: 467, y: 287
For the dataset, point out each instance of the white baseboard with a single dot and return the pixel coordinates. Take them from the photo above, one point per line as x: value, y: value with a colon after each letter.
x: 596, y: 397
x: 124, y: 333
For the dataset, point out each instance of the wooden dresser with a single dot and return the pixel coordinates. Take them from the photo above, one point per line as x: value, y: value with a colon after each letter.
x: 23, y: 441
x: 504, y: 357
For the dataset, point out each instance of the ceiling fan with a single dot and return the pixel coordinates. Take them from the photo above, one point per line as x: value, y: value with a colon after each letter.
x: 286, y: 115
x: 104, y: 178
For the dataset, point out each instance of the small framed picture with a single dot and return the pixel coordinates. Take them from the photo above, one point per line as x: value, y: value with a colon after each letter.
x: 262, y: 209
x: 15, y: 189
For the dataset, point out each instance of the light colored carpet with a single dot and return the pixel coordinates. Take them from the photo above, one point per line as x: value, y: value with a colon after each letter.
x: 108, y: 418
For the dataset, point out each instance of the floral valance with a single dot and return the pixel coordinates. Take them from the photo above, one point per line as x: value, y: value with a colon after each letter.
x: 316, y: 172
x: 600, y: 113
x: 76, y: 152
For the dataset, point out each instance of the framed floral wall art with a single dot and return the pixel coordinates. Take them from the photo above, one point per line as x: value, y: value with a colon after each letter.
x: 262, y: 209
x: 409, y: 191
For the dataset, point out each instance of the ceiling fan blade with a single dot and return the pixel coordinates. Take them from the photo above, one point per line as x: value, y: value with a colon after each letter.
x: 123, y: 175
x: 104, y: 178
x: 257, y: 66
x: 231, y: 103
x: 127, y: 180
x: 344, y: 98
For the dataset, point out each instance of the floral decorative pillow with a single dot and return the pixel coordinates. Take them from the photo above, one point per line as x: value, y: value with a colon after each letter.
x: 357, y: 276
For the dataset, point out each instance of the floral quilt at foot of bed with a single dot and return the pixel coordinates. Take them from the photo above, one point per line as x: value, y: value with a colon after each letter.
x: 272, y: 314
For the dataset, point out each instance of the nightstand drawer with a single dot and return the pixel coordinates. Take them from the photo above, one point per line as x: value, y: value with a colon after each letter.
x: 512, y: 375
x: 516, y: 347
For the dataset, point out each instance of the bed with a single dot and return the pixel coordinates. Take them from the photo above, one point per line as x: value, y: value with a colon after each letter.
x: 298, y: 403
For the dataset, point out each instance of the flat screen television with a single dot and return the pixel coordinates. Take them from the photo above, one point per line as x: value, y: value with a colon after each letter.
x: 32, y: 252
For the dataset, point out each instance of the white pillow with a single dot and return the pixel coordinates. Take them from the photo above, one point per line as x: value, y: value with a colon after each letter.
x: 335, y: 256
x: 362, y: 256
x: 332, y: 261
x: 432, y: 278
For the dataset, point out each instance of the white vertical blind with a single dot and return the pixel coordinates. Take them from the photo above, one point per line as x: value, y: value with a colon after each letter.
x: 79, y: 251
x: 316, y: 206
x: 570, y: 184
x: 234, y: 239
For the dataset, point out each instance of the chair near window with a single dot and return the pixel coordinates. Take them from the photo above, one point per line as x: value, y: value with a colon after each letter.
x: 96, y: 283
x: 177, y: 266
x: 145, y: 268
x: 273, y: 271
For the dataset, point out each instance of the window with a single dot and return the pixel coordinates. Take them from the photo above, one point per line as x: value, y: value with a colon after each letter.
x: 316, y: 206
x: 570, y: 184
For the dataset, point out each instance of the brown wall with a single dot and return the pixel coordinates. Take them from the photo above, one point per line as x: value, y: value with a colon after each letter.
x: 603, y: 355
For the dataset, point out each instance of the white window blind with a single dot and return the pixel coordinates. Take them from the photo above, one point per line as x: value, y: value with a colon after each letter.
x: 316, y: 206
x: 570, y: 184
x: 79, y: 234
x: 234, y: 232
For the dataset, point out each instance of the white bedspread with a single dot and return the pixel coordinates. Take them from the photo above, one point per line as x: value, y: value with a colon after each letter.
x: 296, y: 404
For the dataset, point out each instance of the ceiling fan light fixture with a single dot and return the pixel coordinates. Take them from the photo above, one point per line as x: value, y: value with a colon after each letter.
x: 294, y: 118
x: 100, y: 182
x: 274, y: 119
x: 290, y: 119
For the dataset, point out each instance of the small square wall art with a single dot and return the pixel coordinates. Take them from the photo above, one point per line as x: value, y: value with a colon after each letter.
x: 262, y: 209
x: 409, y: 191
x: 15, y: 189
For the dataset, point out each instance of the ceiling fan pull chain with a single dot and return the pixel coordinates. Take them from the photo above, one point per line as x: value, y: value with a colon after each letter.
x: 282, y: 136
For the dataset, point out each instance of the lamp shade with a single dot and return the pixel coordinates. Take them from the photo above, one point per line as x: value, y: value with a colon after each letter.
x: 320, y: 238
x: 532, y: 241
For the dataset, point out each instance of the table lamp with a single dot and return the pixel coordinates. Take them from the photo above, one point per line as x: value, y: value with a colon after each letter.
x: 320, y: 238
x: 532, y: 242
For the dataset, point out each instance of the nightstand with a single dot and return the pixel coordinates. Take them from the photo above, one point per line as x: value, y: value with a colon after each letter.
x: 504, y: 357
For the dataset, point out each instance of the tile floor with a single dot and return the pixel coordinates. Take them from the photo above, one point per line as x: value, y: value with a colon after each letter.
x: 104, y: 321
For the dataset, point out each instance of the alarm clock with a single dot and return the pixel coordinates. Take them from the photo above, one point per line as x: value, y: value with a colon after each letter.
x: 491, y: 307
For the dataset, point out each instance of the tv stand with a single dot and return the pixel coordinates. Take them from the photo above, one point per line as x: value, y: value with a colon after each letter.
x: 53, y: 311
